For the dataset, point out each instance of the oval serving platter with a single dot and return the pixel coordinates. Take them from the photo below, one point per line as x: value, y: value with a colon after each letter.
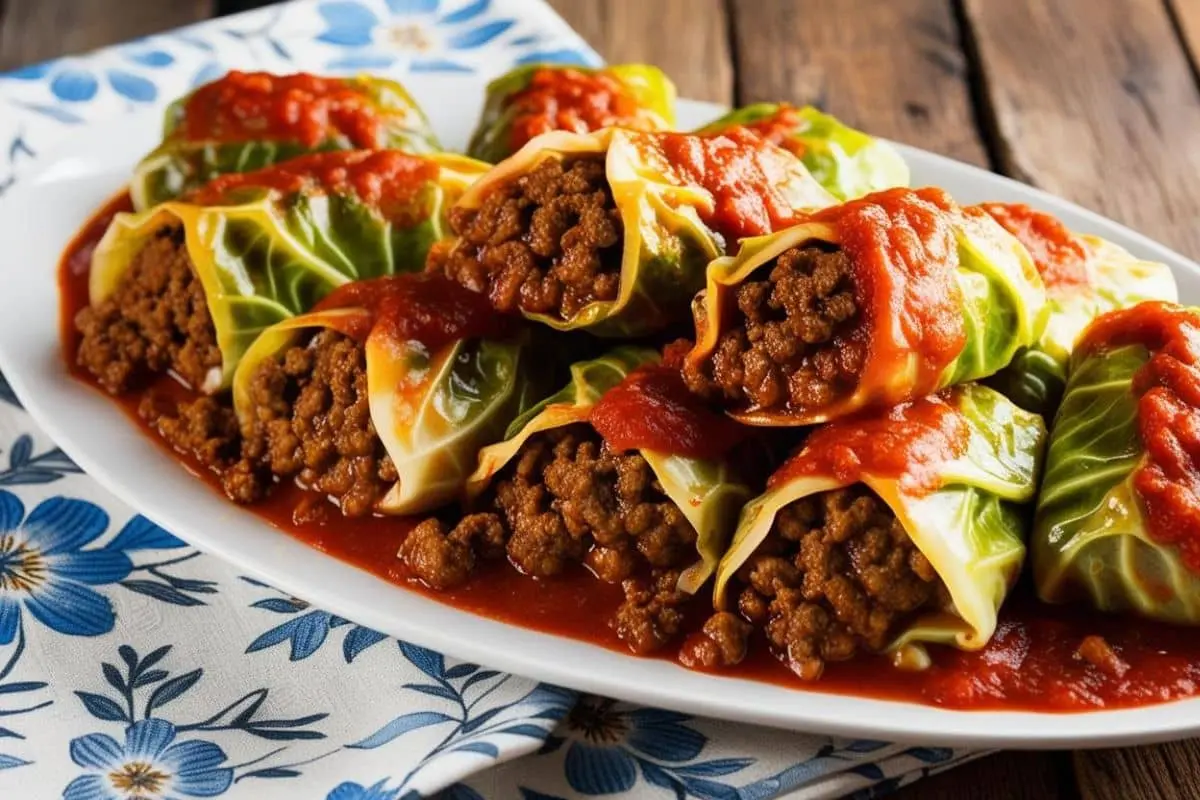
x: 41, y: 214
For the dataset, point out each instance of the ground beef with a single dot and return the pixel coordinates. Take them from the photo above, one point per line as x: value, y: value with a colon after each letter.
x: 651, y: 615
x: 567, y: 499
x: 721, y: 642
x: 835, y: 575
x: 547, y: 243
x: 156, y: 320
x: 785, y: 345
x: 206, y: 430
x: 312, y: 422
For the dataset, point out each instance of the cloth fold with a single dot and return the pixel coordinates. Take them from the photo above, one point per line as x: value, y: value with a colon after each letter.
x: 132, y: 663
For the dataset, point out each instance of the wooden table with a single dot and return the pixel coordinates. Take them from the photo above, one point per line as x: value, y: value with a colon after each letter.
x: 1093, y: 100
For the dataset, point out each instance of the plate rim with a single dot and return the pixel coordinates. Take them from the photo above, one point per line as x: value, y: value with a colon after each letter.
x: 667, y: 685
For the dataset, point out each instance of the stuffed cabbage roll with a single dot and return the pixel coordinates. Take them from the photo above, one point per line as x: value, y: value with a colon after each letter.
x: 246, y: 121
x: 1118, y: 519
x: 621, y: 471
x: 847, y: 162
x: 539, y: 98
x: 882, y: 532
x: 1085, y: 276
x: 866, y: 304
x: 611, y: 231
x: 186, y: 286
x: 382, y: 396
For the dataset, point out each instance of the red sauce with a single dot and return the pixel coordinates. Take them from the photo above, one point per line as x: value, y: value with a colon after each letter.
x: 1061, y: 256
x: 653, y: 410
x: 905, y: 256
x: 76, y: 266
x: 780, y: 128
x: 387, y: 179
x: 908, y: 442
x: 300, y: 108
x: 424, y: 307
x: 737, y: 167
x: 572, y: 100
x: 1168, y: 483
x: 1031, y: 663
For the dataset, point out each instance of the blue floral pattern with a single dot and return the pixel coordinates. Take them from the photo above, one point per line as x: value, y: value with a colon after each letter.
x: 132, y: 666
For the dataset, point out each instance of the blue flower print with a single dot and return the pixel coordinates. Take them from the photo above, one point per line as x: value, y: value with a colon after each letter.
x: 413, y: 28
x: 150, y: 765
x: 45, y: 569
x: 356, y: 791
x: 73, y: 84
x: 610, y: 744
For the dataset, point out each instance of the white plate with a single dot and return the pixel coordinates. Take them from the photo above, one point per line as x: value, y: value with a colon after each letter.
x: 45, y: 209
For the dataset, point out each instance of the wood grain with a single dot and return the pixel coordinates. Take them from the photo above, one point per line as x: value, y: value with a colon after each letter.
x: 893, y: 68
x: 1186, y: 16
x: 1096, y: 102
x: 1011, y: 775
x: 688, y: 39
x: 36, y: 30
x: 1163, y: 772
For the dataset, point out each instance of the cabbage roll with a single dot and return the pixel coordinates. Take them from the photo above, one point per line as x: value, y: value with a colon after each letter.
x: 539, y: 98
x: 847, y: 162
x: 611, y: 231
x: 863, y: 305
x: 1085, y: 276
x: 1118, y: 518
x: 186, y: 286
x: 246, y: 121
x: 412, y: 373
x: 883, y: 532
x: 622, y: 472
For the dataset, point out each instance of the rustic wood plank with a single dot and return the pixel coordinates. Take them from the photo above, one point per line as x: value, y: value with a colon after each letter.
x: 1009, y: 775
x: 688, y: 39
x: 896, y: 69
x: 36, y: 30
x: 1096, y: 102
x: 1186, y: 16
x: 1163, y: 772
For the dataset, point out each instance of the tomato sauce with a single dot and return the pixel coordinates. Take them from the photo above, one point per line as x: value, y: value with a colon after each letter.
x: 780, y: 128
x: 653, y: 410
x: 301, y: 108
x: 909, y: 442
x: 737, y: 168
x: 571, y: 100
x: 387, y: 179
x: 1033, y: 662
x: 905, y: 256
x: 424, y: 307
x: 1061, y: 256
x: 1168, y: 483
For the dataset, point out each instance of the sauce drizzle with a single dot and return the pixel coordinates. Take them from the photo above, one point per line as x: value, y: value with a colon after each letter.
x: 1168, y: 482
x: 1061, y: 256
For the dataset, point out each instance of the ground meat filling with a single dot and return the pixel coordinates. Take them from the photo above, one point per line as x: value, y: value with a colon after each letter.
x: 312, y: 422
x: 547, y: 243
x: 786, y: 344
x: 156, y: 320
x: 566, y: 499
x: 836, y: 574
x: 206, y: 429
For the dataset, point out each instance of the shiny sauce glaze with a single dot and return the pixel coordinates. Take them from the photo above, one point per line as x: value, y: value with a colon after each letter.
x: 1061, y: 256
x: 1168, y: 481
x: 1033, y: 662
x: 425, y: 307
x: 653, y: 410
x: 910, y: 443
x: 736, y: 167
x: 905, y: 256
x: 387, y: 180
x: 571, y: 100
x: 301, y: 108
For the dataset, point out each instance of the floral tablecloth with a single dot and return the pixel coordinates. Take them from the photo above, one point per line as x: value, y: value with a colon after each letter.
x: 133, y: 666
